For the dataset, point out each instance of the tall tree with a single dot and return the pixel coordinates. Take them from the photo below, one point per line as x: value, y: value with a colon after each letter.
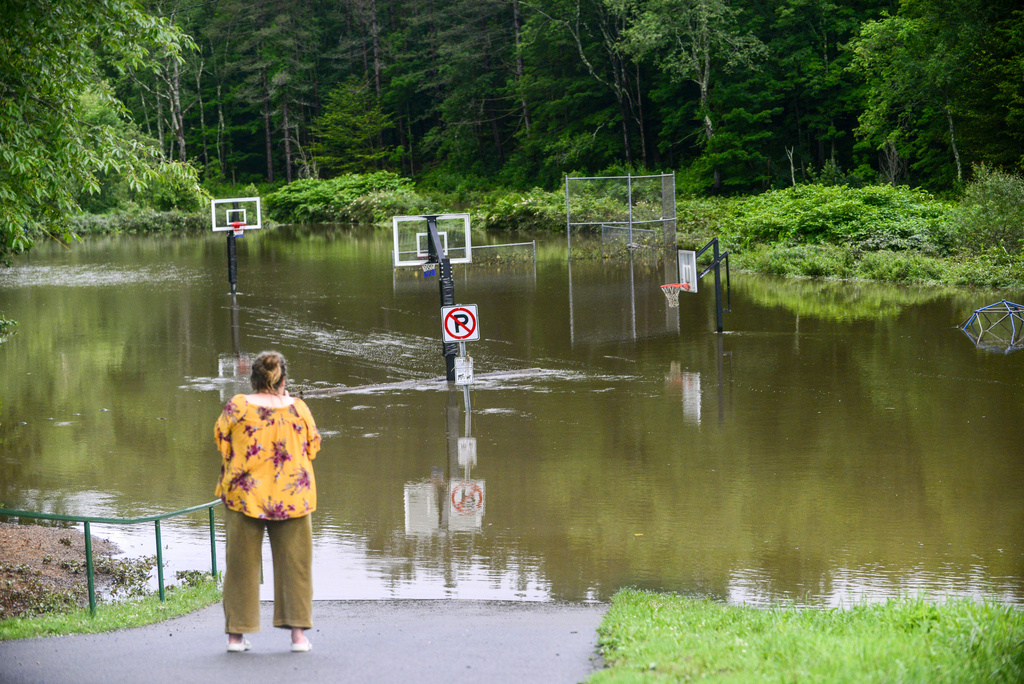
x: 917, y: 64
x: 691, y: 40
x: 48, y: 61
x: 349, y: 131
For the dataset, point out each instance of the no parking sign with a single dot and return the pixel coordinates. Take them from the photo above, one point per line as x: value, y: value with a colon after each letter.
x: 460, y: 323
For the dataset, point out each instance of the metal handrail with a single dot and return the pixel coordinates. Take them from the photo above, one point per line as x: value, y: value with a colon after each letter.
x: 86, y: 519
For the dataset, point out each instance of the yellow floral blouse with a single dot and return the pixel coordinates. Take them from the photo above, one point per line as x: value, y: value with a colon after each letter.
x: 267, y: 469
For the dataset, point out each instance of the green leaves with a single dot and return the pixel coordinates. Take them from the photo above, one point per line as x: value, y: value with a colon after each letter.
x: 50, y: 57
x: 349, y: 131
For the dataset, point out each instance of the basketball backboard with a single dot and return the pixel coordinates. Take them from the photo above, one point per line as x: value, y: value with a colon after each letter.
x: 244, y: 210
x: 412, y: 239
x: 688, y: 270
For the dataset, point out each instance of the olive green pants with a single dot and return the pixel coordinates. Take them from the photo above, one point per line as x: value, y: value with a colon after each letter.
x: 291, y: 545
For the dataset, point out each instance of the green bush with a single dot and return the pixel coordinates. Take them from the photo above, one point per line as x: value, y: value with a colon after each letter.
x: 900, y: 267
x: 813, y: 261
x: 992, y: 269
x: 871, y: 218
x: 702, y: 219
x: 379, y: 206
x: 536, y: 210
x: 991, y: 213
x: 336, y: 200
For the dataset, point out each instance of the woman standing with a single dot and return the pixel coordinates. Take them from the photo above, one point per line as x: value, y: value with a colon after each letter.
x: 267, y: 442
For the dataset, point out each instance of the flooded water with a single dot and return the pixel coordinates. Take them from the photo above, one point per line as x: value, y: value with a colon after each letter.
x: 837, y: 443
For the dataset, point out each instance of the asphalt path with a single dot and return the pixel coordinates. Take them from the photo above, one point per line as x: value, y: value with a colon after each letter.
x: 423, y: 641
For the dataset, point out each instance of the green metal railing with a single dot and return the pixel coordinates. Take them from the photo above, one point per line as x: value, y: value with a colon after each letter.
x: 124, y: 521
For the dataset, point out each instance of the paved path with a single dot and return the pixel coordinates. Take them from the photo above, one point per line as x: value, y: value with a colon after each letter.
x: 354, y: 641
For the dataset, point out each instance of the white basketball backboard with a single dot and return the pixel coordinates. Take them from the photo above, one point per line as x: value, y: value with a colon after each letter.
x: 245, y: 210
x: 688, y: 270
x: 412, y: 238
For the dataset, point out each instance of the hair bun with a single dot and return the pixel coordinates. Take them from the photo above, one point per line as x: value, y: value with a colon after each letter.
x: 269, y: 370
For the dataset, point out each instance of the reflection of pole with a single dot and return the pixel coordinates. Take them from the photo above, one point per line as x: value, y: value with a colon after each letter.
x: 718, y: 289
x: 721, y: 378
x: 236, y: 345
x: 446, y: 285
x: 632, y: 292
x: 572, y: 321
x: 452, y: 440
x: 629, y: 201
x: 232, y: 262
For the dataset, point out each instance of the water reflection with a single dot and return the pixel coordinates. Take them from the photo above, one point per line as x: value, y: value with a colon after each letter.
x: 234, y: 370
x: 450, y: 500
x: 607, y: 305
x: 840, y: 441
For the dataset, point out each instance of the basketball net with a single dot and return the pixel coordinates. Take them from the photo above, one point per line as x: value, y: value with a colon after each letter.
x: 672, y: 293
x: 237, y: 228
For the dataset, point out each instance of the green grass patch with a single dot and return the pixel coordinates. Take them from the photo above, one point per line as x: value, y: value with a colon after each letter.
x: 195, y: 594
x: 654, y: 637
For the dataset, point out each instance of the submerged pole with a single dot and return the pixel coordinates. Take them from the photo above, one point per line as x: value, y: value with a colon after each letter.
x: 446, y: 286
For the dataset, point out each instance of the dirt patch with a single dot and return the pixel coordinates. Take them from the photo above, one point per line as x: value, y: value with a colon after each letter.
x: 43, y: 568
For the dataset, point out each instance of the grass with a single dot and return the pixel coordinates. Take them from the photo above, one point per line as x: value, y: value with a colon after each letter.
x: 650, y: 637
x: 112, y: 616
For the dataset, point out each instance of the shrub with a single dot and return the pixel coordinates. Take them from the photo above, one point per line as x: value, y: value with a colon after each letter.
x: 536, y: 210
x: 991, y: 213
x: 327, y: 201
x: 872, y: 218
x: 814, y: 261
x: 900, y: 267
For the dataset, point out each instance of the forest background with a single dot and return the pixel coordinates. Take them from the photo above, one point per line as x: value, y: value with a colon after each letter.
x: 851, y: 138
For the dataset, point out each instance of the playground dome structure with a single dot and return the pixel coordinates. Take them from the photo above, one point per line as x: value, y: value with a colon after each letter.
x: 997, y: 327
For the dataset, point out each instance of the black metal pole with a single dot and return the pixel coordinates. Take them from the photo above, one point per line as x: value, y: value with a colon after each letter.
x: 718, y: 288
x: 446, y: 285
x: 232, y: 262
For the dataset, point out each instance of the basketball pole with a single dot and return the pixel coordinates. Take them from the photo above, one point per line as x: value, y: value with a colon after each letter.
x: 716, y: 265
x: 232, y: 262
x: 446, y: 285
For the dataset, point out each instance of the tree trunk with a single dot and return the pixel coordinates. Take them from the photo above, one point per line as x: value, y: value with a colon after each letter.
x: 640, y: 119
x: 375, y: 37
x: 952, y: 143
x: 202, y: 114
x: 267, y: 129
x: 517, y: 23
x: 287, y: 142
x: 176, y: 114
x: 160, y: 122
x: 220, y: 133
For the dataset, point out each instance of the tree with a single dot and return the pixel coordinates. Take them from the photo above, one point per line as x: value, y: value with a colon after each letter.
x: 349, y: 130
x: 690, y: 40
x: 917, y: 64
x: 49, y: 60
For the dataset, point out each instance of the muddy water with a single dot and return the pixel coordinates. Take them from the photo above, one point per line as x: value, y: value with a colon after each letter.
x: 838, y: 442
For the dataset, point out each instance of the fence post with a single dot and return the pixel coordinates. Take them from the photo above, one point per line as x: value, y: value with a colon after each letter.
x: 159, y: 561
x: 89, y: 569
x: 213, y: 546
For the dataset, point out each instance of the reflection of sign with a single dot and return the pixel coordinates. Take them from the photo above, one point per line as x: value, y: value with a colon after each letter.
x: 460, y: 323
x: 421, y: 510
x: 467, y: 497
x: 467, y: 451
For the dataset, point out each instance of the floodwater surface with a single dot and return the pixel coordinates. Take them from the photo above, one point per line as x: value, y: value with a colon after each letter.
x: 839, y: 442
